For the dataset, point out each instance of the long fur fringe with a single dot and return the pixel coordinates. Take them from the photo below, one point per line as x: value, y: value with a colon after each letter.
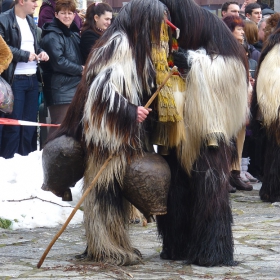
x: 106, y: 216
x: 197, y: 226
x: 110, y: 109
x: 213, y: 106
x: 270, y: 190
x: 110, y: 128
x: 119, y: 77
x: 267, y: 88
x: 268, y: 102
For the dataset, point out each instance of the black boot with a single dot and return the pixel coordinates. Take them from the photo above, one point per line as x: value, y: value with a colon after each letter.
x: 236, y: 181
x: 83, y: 255
x: 165, y: 254
x: 231, y: 189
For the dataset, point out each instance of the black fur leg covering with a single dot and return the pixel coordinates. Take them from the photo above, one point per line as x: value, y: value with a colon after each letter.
x: 106, y: 215
x: 197, y: 226
x: 270, y: 190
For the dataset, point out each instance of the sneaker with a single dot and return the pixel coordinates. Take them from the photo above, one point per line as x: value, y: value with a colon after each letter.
x: 251, y: 178
x: 243, y: 177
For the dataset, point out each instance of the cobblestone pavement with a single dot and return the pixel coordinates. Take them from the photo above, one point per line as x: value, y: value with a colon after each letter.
x: 256, y: 233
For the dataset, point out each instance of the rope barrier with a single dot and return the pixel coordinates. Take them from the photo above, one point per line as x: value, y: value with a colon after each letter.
x: 5, y: 121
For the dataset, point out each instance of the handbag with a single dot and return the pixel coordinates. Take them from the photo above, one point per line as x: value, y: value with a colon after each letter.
x: 6, y: 97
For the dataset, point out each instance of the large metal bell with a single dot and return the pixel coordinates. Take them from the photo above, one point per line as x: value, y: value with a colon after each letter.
x: 63, y: 165
x: 146, y: 184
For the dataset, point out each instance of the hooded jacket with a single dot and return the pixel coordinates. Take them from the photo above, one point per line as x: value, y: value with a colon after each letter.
x: 62, y: 73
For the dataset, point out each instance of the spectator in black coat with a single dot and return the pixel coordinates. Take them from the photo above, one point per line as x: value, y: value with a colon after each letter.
x: 7, y: 5
x: 63, y: 72
x: 47, y: 13
x: 98, y: 18
x: 251, y: 34
x: 261, y: 26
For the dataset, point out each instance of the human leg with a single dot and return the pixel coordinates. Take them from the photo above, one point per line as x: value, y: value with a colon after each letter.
x: 10, y: 133
x: 197, y: 226
x: 2, y: 115
x: 235, y: 179
x: 30, y: 111
x: 106, y: 217
x: 270, y: 190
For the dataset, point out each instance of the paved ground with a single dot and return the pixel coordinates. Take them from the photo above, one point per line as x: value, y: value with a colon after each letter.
x: 256, y: 236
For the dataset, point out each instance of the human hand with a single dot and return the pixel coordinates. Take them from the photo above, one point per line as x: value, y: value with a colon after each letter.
x: 252, y: 81
x: 43, y: 56
x: 180, y: 58
x: 82, y: 14
x: 242, y: 9
x: 32, y: 57
x: 142, y: 113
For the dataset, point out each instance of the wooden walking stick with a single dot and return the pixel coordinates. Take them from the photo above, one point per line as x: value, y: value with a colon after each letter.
x: 74, y: 211
x: 174, y: 69
x: 96, y: 178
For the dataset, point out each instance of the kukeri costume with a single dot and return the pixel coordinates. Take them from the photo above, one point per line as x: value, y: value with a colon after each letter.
x: 207, y: 105
x: 268, y: 100
x: 119, y: 77
x: 197, y: 227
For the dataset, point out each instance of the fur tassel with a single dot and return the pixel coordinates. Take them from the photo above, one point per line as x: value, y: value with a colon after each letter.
x: 167, y: 110
x: 171, y: 134
x: 213, y: 106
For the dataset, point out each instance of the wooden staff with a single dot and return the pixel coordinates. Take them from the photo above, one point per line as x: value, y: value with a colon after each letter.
x: 97, y: 176
x: 74, y: 210
x: 174, y: 69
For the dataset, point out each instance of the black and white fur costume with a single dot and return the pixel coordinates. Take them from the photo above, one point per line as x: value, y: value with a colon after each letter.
x: 197, y: 226
x: 267, y: 99
x: 119, y: 77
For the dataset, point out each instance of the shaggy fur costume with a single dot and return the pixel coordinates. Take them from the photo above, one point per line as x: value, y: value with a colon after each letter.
x: 207, y: 113
x: 110, y: 128
x: 119, y: 76
x: 268, y: 99
x: 197, y: 227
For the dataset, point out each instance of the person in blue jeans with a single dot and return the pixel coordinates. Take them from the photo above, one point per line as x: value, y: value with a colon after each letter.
x: 18, y: 29
x: 6, y: 57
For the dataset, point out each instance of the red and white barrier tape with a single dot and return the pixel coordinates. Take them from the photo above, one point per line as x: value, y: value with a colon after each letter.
x: 17, y: 122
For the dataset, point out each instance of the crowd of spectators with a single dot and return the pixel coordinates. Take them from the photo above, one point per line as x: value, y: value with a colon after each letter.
x: 253, y: 22
x: 21, y: 75
x: 51, y: 54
